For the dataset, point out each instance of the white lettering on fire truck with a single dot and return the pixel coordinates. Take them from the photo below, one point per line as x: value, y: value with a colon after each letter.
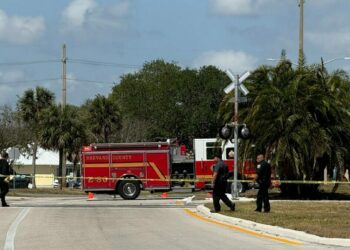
x: 121, y: 157
x: 97, y: 157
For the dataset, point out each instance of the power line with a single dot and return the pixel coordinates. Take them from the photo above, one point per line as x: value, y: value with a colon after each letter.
x: 98, y: 63
x: 89, y: 81
x: 79, y: 61
x: 28, y: 62
x: 57, y: 79
x: 27, y: 81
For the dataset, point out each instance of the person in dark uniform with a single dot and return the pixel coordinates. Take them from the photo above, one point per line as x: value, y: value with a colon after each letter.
x: 220, y: 174
x: 4, y: 172
x: 263, y: 178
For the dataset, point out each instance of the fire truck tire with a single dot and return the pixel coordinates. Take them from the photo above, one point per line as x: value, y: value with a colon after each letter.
x: 129, y: 189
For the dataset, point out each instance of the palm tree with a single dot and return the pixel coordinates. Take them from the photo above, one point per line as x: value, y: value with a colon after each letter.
x: 298, y: 118
x: 30, y: 106
x: 104, y: 117
x: 62, y: 130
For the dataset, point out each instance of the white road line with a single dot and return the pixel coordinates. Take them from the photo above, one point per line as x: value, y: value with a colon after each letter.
x: 11, y: 233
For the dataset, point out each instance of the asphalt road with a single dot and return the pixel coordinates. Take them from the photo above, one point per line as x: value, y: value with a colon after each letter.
x: 106, y: 223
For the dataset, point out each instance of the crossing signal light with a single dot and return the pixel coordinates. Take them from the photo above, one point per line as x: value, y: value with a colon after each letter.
x: 227, y: 132
x: 243, y: 132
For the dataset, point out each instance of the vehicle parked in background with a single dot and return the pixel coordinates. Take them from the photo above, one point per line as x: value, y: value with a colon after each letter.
x: 20, y: 181
x: 56, y: 183
x: 73, y: 183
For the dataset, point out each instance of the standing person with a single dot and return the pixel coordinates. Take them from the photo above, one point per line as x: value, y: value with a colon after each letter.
x: 263, y: 178
x: 220, y: 174
x: 4, y: 172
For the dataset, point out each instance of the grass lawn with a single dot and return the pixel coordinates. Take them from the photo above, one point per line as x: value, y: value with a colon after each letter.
x: 323, y: 218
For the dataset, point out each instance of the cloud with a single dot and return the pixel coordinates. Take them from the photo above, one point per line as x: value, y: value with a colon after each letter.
x: 77, y: 12
x: 238, y: 7
x: 84, y: 15
x: 20, y: 30
x: 237, y: 61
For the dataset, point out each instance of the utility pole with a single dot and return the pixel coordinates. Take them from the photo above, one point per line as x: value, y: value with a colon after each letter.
x: 301, y: 33
x: 64, y: 77
x: 62, y: 172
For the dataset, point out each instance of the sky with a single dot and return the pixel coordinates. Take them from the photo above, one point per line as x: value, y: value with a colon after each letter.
x: 106, y: 39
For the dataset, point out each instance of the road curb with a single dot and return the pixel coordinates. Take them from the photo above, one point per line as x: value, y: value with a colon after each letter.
x: 274, y: 230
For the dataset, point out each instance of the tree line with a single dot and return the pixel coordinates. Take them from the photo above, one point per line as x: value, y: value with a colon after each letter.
x: 299, y: 117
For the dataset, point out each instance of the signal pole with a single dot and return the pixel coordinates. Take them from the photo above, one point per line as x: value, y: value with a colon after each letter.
x: 238, y: 87
x: 234, y: 191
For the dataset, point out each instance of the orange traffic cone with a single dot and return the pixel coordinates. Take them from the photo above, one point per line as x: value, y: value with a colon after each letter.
x: 90, y: 196
x: 209, y: 195
x: 164, y: 195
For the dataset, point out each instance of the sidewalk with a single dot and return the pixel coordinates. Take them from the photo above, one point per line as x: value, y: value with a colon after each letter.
x: 274, y: 230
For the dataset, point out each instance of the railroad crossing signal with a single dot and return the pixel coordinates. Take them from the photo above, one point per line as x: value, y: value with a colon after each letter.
x: 232, y: 85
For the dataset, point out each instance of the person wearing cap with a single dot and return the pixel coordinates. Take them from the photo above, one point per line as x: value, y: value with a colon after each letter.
x: 4, y: 172
x: 263, y: 178
x: 219, y: 184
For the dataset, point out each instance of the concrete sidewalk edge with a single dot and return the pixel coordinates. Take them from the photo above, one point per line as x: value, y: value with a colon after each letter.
x: 274, y: 230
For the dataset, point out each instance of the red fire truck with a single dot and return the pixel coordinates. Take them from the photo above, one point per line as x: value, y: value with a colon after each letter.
x: 128, y: 168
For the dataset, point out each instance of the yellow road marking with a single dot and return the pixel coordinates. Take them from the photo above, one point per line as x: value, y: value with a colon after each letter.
x: 243, y: 230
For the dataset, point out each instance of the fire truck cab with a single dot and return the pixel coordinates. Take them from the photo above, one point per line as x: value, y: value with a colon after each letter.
x: 205, y: 149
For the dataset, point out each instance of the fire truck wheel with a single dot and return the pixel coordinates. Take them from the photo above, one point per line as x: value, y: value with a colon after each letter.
x: 129, y: 189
